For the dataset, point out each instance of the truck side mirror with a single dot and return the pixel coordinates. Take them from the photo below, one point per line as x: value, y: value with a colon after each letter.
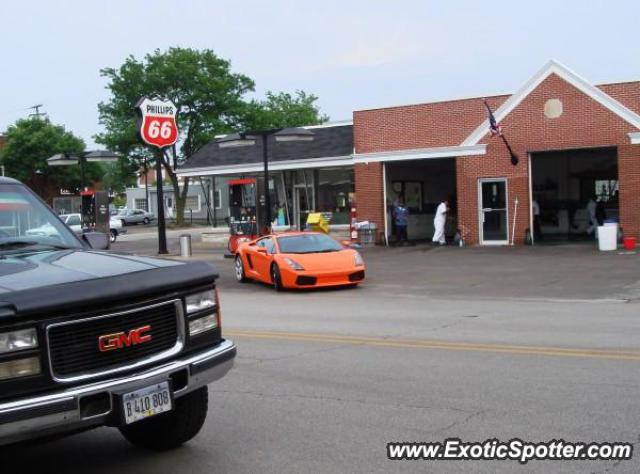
x: 96, y: 240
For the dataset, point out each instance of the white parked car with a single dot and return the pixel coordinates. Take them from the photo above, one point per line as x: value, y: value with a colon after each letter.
x: 74, y: 222
x: 134, y: 216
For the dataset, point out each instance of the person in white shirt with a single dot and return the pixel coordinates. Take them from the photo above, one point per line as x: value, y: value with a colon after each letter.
x: 439, y: 221
x: 537, y: 230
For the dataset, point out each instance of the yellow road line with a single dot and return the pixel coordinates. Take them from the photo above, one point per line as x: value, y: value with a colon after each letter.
x: 427, y: 344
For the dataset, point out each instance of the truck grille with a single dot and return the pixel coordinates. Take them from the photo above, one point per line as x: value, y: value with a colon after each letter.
x: 74, y: 350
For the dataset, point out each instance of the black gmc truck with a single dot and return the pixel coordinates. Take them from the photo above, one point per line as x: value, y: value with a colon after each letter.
x: 91, y: 338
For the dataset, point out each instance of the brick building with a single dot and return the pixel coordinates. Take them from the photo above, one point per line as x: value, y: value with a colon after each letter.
x: 574, y: 140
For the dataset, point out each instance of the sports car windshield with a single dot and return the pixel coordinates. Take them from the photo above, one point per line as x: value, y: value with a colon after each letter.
x: 26, y: 223
x: 308, y: 243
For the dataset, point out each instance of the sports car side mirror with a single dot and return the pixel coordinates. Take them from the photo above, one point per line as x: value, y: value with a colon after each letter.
x: 96, y: 240
x: 261, y: 250
x: 351, y: 245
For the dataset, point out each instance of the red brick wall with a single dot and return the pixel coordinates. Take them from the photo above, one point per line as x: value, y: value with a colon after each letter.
x: 419, y: 126
x: 369, y: 194
x: 627, y: 93
x: 629, y: 180
x: 583, y: 124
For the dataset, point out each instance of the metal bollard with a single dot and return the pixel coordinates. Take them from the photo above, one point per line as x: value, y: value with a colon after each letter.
x: 185, y: 245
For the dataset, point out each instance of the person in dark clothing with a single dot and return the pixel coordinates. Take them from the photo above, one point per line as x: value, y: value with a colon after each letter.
x: 601, y: 213
x: 400, y: 219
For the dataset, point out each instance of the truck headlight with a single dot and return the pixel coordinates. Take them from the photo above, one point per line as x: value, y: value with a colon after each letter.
x: 200, y: 301
x: 205, y: 323
x: 19, y: 368
x: 18, y: 340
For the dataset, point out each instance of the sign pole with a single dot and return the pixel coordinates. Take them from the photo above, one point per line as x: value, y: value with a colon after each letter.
x: 162, y: 231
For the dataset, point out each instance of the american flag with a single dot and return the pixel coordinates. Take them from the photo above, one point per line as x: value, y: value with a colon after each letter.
x: 494, y: 127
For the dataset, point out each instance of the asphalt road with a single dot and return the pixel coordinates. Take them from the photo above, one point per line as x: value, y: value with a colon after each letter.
x: 499, y: 346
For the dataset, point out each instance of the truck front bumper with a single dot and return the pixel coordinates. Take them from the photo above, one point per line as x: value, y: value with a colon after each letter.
x: 75, y: 408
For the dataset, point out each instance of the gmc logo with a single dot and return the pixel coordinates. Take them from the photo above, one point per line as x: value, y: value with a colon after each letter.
x: 118, y: 340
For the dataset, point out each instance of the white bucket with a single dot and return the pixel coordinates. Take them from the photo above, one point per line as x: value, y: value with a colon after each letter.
x: 608, y: 237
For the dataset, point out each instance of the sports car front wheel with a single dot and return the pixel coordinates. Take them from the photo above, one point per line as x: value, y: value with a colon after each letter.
x: 239, y: 269
x: 276, y: 280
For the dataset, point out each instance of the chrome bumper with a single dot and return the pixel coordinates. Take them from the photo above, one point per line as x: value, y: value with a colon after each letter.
x: 60, y: 411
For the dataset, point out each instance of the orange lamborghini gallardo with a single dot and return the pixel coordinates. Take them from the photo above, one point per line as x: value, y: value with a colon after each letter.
x: 299, y: 260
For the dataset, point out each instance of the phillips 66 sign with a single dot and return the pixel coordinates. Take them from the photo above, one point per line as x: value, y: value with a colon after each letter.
x: 157, y: 122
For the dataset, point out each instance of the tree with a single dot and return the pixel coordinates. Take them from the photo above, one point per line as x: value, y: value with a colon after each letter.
x: 210, y: 99
x: 30, y: 141
x: 207, y: 94
x: 283, y: 110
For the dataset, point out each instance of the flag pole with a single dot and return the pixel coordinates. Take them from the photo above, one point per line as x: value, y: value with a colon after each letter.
x: 514, y: 157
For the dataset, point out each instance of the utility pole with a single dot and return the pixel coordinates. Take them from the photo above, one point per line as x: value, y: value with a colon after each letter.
x: 37, y: 113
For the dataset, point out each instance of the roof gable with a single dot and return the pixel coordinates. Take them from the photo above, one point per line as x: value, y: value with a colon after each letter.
x: 553, y: 67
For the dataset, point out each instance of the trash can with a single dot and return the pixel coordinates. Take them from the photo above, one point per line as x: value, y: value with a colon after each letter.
x: 367, y: 233
x: 608, y: 236
x: 185, y: 245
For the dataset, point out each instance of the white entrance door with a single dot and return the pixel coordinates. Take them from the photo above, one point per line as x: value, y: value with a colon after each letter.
x: 493, y: 211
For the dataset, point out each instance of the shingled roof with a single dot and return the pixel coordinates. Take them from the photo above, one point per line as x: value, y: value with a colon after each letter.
x: 329, y: 141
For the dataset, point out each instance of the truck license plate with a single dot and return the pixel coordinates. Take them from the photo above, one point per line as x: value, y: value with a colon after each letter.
x: 146, y: 402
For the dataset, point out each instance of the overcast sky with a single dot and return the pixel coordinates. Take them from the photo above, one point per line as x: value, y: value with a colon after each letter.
x: 352, y: 54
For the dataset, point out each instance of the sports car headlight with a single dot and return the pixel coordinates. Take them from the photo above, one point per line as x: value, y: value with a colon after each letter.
x: 357, y: 259
x: 200, y: 301
x: 18, y: 340
x: 293, y: 264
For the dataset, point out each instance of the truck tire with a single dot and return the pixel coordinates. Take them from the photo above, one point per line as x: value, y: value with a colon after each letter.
x: 170, y: 430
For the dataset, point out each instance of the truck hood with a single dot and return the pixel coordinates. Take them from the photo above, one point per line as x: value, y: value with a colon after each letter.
x: 37, y: 269
x: 36, y: 282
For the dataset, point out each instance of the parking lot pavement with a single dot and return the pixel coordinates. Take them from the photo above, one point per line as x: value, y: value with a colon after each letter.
x: 548, y: 273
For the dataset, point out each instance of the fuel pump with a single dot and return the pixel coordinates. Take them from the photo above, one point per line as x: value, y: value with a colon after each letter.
x: 95, y: 211
x: 243, y: 212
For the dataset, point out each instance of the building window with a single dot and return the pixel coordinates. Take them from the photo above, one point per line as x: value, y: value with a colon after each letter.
x: 336, y: 188
x: 140, y: 203
x: 217, y: 199
x: 193, y: 203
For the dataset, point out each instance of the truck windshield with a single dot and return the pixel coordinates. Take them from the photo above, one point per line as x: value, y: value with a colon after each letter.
x: 25, y: 222
x: 308, y: 243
